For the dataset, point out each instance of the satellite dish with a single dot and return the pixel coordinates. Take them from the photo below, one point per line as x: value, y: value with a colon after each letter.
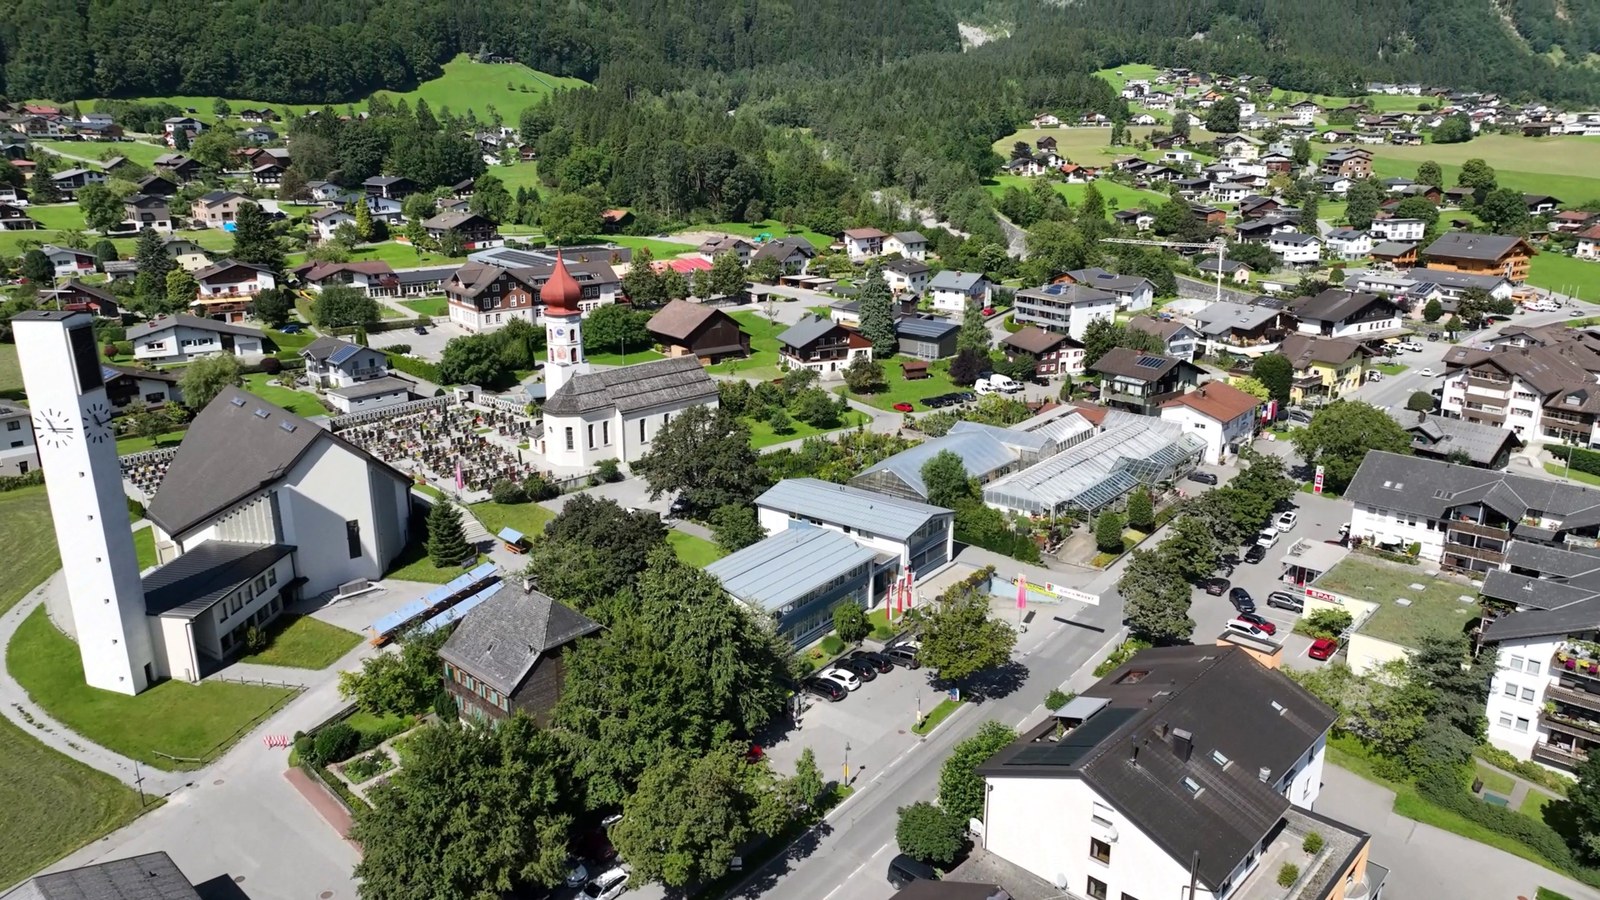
x: 1061, y: 881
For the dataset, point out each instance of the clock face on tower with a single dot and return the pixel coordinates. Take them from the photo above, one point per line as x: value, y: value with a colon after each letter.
x: 97, y: 422
x: 52, y: 428
x: 561, y: 332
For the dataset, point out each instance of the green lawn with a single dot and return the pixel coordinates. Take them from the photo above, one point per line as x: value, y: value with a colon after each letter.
x: 139, y: 151
x: 129, y: 445
x: 771, y: 227
x: 1120, y: 75
x: 291, y: 342
x: 1390, y: 368
x: 528, y: 518
x: 1547, y: 894
x: 517, y: 175
x: 944, y: 710
x: 763, y: 360
x: 1496, y: 781
x: 618, y: 359
x: 1559, y: 166
x: 185, y: 720
x: 660, y: 249
x: 10, y: 373
x: 400, y: 256
x: 762, y: 435
x: 1117, y: 196
x: 902, y: 391
x: 437, y: 307
x: 301, y: 642
x: 28, y: 536
x: 1533, y: 805
x: 58, y: 216
x: 1566, y: 275
x: 298, y: 402
x: 414, y: 564
x: 1560, y: 471
x: 692, y: 549
x: 144, y: 544
x: 1433, y: 609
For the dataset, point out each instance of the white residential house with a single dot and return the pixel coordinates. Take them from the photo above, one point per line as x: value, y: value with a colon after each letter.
x: 231, y: 278
x: 1343, y: 313
x: 1185, y: 772
x: 821, y: 345
x: 909, y: 244
x: 1240, y: 146
x: 1405, y: 230
x: 863, y: 243
x: 1588, y: 246
x: 334, y: 363
x: 951, y: 290
x: 327, y: 222
x: 69, y: 263
x: 1219, y: 414
x: 171, y: 127
x: 1294, y: 248
x: 1229, y: 191
x: 1348, y: 243
x: 19, y: 455
x: 180, y: 338
x: 1066, y: 308
x: 1133, y: 292
x: 906, y: 276
x: 1046, y: 120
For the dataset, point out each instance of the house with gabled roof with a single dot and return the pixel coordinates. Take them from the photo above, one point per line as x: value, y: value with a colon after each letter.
x: 179, y: 338
x: 616, y: 413
x: 822, y: 345
x: 950, y: 290
x: 15, y: 218
x: 863, y: 243
x: 1141, y: 382
x: 1481, y: 254
x: 911, y: 244
x: 1133, y: 292
x: 1179, y: 339
x: 74, y: 295
x: 1054, y: 352
x: 705, y: 332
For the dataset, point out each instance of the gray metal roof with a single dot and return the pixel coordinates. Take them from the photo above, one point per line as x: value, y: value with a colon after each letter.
x: 501, y: 640
x: 1223, y: 316
x: 926, y: 329
x: 680, y: 380
x: 1106, y: 281
x: 861, y: 510
x: 376, y: 387
x: 776, y: 571
x: 1430, y: 487
x: 984, y: 449
x: 1467, y: 245
x: 195, y: 581
x: 1573, y: 618
x: 156, y: 326
x: 1444, y: 435
x: 808, y: 329
x: 953, y: 280
x: 149, y: 876
x: 1129, y: 450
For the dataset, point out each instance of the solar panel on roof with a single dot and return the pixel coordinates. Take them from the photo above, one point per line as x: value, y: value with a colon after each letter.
x: 1152, y: 362
x: 343, y: 353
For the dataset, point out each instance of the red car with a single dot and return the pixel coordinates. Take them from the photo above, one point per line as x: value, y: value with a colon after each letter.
x: 1322, y: 648
x: 903, y: 407
x: 1260, y: 622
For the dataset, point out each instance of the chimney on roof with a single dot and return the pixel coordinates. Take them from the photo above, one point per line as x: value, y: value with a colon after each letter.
x: 1133, y: 757
x: 1182, y: 743
x: 1422, y: 416
x: 527, y: 584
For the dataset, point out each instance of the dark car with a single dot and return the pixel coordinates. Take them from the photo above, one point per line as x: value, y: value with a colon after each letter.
x: 418, y: 329
x: 1255, y: 554
x: 966, y: 396
x: 1286, y: 601
x: 903, y: 870
x: 1260, y: 622
x: 823, y: 687
x: 1241, y: 600
x: 1202, y: 478
x: 934, y: 402
x: 902, y: 655
x: 876, y: 659
x: 1216, y: 587
x: 292, y: 328
x: 862, y: 669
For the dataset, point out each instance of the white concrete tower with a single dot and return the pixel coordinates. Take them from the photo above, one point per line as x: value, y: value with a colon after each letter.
x: 563, y: 328
x: 78, y: 453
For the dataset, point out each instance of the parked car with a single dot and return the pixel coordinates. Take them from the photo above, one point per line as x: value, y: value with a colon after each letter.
x: 903, y: 870
x: 1322, y: 648
x: 1286, y: 601
x: 1268, y: 538
x: 903, y: 407
x: 1433, y: 335
x: 1300, y: 415
x: 1202, y: 477
x: 824, y: 688
x: 1241, y: 600
x: 1260, y: 622
x: 578, y: 876
x: 1286, y: 520
x: 418, y: 329
x: 878, y: 660
x: 1412, y: 346
x: 860, y: 668
x: 292, y: 328
x: 902, y: 655
x: 1216, y: 587
x: 1255, y: 554
x: 1242, y: 626
x: 608, y: 885
x: 843, y: 676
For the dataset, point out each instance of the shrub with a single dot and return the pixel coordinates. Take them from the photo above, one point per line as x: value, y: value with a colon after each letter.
x: 397, y: 348
x: 444, y: 706
x: 1586, y: 461
x: 1444, y: 789
x: 1313, y: 843
x: 1288, y: 875
x: 508, y: 493
x: 607, y: 471
x: 536, y: 488
x: 1528, y: 769
x: 255, y: 639
x: 303, y: 749
x: 1056, y: 699
x: 850, y: 621
x: 1414, y: 549
x: 1324, y: 623
x: 271, y: 365
x: 832, y: 645
x: 1120, y: 655
x: 335, y: 743
x: 1108, y: 533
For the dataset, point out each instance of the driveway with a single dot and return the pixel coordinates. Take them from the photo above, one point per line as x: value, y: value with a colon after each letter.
x: 428, y: 346
x: 1425, y: 861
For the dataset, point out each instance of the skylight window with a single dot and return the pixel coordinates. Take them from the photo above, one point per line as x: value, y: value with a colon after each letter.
x: 1192, y: 786
x: 1221, y: 760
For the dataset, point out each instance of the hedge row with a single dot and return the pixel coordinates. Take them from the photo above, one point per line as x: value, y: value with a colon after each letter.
x: 417, y: 368
x: 1587, y: 461
x: 17, y: 482
x: 1445, y: 790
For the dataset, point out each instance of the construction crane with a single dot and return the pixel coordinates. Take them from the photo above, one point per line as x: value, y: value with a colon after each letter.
x: 1219, y: 245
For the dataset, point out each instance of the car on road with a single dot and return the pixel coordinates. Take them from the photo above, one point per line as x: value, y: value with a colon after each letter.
x: 1286, y: 520
x: 1433, y: 335
x: 1202, y: 478
x: 878, y: 660
x: 1260, y: 622
x: 1245, y: 627
x: 902, y: 655
x: 1322, y: 648
x: 1425, y: 372
x: 1411, y: 346
x: 825, y: 688
x: 903, y: 407
x: 844, y: 677
x: 607, y: 885
x: 860, y: 668
x: 1216, y: 587
x: 1241, y: 600
x: 1255, y: 554
x: 903, y: 870
x: 1286, y: 601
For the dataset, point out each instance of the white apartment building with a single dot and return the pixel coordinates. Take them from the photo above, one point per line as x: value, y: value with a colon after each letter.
x: 1065, y: 308
x: 19, y: 455
x: 1294, y: 248
x: 1539, y: 392
x: 1405, y: 230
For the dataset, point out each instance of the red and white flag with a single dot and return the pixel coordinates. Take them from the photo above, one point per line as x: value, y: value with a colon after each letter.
x: 910, y: 579
x: 1022, y: 592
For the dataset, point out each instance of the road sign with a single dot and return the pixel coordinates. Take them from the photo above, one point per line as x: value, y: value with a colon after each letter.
x: 1316, y: 487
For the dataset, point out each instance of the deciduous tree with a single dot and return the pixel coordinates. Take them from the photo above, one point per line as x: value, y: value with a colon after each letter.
x: 102, y: 210
x: 202, y: 380
x: 274, y: 306
x: 1428, y: 172
x: 1156, y: 597
x: 1275, y: 372
x: 1504, y: 211
x: 928, y: 833
x: 850, y: 622
x: 865, y: 376
x: 1340, y: 436
x: 961, y: 788
x: 704, y: 456
x: 181, y: 290
x: 736, y: 527
x: 958, y: 637
x: 727, y: 275
x: 946, y: 479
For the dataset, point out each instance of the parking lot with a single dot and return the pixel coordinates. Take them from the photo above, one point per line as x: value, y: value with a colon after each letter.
x: 428, y: 346
x: 1319, y: 520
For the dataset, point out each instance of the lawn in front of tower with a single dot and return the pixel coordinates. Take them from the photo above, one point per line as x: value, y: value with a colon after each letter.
x: 28, y: 534
x: 175, y: 725
x: 10, y: 373
x: 301, y: 642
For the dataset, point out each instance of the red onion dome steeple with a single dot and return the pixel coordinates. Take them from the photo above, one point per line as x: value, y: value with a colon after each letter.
x: 561, y: 293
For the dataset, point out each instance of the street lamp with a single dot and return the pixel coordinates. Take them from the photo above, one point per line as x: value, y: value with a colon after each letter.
x: 847, y: 763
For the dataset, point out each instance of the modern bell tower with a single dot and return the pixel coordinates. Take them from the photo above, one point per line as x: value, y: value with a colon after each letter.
x: 62, y: 374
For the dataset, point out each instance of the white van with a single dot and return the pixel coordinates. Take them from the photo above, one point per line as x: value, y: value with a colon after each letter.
x: 1005, y: 384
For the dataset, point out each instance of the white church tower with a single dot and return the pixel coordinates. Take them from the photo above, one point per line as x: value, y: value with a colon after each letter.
x: 78, y: 453
x: 563, y: 328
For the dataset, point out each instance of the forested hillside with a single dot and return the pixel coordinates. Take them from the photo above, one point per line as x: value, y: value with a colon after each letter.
x: 309, y: 51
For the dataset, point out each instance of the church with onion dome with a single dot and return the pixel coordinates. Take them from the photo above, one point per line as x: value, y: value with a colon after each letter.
x: 612, y: 413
